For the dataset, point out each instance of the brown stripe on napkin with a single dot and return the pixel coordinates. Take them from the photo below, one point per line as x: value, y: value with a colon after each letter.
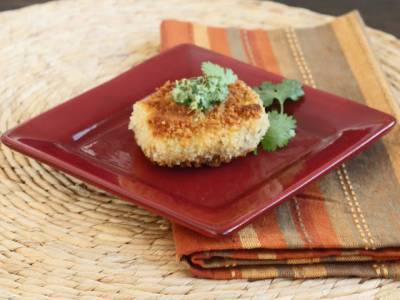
x: 346, y: 224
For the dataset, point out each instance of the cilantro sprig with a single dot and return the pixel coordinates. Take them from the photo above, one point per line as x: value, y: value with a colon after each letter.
x: 280, y: 132
x: 287, y: 89
x: 202, y: 92
x: 282, y: 127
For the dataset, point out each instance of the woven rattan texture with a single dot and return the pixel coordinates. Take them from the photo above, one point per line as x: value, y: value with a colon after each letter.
x: 61, y: 238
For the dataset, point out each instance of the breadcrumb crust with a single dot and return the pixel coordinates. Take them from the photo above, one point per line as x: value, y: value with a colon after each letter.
x: 172, y: 134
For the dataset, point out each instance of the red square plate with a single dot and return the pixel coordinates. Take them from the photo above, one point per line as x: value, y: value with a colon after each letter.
x: 88, y: 137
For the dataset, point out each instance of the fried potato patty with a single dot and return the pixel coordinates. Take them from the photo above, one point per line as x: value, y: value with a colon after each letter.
x: 171, y: 134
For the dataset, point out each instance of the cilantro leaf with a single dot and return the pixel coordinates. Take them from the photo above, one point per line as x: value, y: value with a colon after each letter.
x: 202, y: 92
x: 287, y: 89
x: 266, y: 91
x: 281, y: 130
x: 226, y: 76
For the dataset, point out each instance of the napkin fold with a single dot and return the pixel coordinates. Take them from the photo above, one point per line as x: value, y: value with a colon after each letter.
x: 346, y: 224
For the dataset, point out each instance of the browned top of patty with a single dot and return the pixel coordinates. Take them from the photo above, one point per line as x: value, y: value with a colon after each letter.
x: 170, y: 119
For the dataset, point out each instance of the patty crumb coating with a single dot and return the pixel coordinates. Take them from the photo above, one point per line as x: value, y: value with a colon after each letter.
x: 171, y: 134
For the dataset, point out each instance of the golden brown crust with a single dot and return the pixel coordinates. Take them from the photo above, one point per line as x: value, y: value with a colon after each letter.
x: 216, y: 161
x: 170, y: 119
x: 171, y: 134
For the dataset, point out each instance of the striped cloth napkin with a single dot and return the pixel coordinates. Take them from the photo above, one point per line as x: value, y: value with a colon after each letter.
x: 348, y: 223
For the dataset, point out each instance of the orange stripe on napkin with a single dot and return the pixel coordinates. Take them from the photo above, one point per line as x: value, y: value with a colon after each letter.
x: 174, y: 33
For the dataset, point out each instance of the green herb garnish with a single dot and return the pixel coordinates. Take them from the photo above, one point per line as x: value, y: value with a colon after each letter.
x: 201, y: 92
x: 281, y: 130
x: 281, y: 126
x: 224, y: 76
x: 287, y: 89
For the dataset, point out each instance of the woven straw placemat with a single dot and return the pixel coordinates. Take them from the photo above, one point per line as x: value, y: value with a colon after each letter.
x: 60, y: 238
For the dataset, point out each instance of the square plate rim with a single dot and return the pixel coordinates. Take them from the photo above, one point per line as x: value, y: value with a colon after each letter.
x: 219, y: 230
